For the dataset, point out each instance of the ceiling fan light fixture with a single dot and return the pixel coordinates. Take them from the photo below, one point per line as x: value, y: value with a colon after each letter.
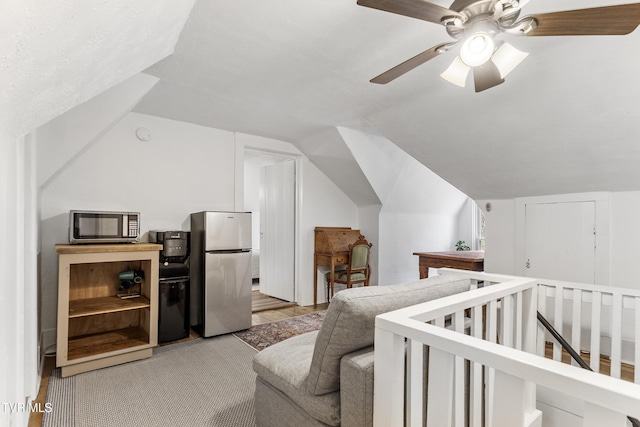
x: 507, y: 58
x: 477, y: 49
x: 512, y: 4
x: 456, y: 73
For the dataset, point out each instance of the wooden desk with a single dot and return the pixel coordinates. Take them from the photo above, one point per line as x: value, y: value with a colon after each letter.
x: 331, y: 248
x: 463, y: 260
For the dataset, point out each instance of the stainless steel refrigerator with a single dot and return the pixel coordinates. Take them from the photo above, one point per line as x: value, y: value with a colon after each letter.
x: 220, y: 272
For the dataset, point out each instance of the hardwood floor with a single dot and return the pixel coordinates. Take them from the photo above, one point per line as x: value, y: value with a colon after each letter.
x: 264, y: 316
x: 35, y: 418
x: 261, y: 302
x: 626, y: 371
x: 284, y: 313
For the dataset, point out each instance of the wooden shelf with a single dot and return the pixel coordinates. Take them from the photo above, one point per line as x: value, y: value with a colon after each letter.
x: 96, y: 328
x: 103, y: 305
x: 96, y: 344
x: 106, y: 248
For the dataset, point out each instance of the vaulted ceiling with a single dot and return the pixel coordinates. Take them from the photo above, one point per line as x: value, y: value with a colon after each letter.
x: 567, y: 119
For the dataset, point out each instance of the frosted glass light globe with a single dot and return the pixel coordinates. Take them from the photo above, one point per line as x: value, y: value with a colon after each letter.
x: 477, y: 49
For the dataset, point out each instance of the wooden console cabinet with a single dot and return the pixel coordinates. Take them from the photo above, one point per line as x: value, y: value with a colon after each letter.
x: 463, y: 260
x: 96, y: 328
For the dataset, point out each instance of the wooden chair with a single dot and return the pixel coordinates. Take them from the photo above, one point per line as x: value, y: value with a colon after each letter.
x: 357, y: 270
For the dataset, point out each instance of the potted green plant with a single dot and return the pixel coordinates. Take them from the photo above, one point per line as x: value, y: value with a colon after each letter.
x: 461, y: 246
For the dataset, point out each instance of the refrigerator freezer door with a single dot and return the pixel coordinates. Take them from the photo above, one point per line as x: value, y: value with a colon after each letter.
x: 227, y: 293
x: 227, y: 230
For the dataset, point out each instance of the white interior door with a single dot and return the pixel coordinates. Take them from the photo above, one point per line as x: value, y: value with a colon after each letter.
x: 560, y: 241
x: 277, y: 225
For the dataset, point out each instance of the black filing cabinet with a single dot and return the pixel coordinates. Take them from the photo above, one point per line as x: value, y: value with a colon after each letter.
x: 173, y: 307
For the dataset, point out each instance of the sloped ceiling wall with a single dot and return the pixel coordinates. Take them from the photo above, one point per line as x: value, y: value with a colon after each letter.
x: 58, y: 54
x: 61, y: 140
x: 327, y: 150
x: 565, y: 120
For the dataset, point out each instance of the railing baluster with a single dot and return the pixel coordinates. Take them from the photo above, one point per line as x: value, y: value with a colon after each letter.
x: 616, y: 336
x: 596, y: 311
x: 542, y: 308
x: 475, y: 376
x: 459, y: 376
x: 557, y: 320
x: 492, y: 320
x: 388, y: 391
x: 518, y: 315
x: 507, y: 321
x: 415, y: 379
x: 576, y: 326
x: 492, y: 335
x: 440, y: 388
x: 530, y: 323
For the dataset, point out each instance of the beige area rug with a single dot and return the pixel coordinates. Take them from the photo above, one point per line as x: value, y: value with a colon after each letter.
x: 262, y: 336
x: 204, y: 382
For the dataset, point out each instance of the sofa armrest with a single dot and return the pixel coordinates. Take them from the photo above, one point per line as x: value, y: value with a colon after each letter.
x: 356, y: 388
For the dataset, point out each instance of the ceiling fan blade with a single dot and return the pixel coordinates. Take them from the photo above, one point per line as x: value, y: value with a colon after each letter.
x: 419, y: 9
x: 460, y: 4
x: 486, y: 76
x: 598, y: 21
x: 457, y: 72
x: 410, y: 64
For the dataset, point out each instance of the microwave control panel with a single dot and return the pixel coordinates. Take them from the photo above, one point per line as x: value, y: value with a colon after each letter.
x: 133, y: 227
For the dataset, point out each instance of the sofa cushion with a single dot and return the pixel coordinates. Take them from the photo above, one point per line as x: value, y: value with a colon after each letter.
x: 356, y: 388
x: 350, y: 322
x: 285, y: 366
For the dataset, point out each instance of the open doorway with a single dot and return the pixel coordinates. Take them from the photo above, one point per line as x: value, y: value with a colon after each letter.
x: 269, y: 193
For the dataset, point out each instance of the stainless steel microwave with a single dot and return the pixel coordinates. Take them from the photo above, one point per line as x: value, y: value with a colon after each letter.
x: 104, y: 227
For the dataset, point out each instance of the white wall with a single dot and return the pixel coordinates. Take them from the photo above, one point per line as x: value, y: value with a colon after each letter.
x: 83, y: 125
x: 419, y: 210
x: 625, y: 235
x: 183, y: 168
x: 19, y: 375
x: 615, y: 223
x: 252, y: 197
x: 322, y: 204
x: 369, y: 220
x: 500, y: 235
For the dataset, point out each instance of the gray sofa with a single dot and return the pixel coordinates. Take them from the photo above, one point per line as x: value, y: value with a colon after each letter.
x: 325, y: 378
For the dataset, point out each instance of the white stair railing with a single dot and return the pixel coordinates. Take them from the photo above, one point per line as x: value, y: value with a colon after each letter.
x: 484, y: 367
x: 600, y: 320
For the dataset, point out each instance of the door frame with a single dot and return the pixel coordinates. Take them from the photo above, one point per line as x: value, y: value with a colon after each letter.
x: 602, y: 212
x: 239, y: 199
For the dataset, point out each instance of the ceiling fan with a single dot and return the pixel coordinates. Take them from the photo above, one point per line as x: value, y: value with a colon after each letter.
x: 477, y: 25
